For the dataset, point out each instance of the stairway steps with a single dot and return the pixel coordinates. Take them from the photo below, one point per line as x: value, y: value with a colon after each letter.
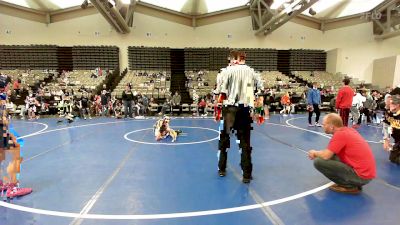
x: 64, y: 58
x: 178, y: 78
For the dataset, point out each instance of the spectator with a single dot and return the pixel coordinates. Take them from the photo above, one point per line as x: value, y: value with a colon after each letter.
x: 127, y: 98
x: 375, y: 97
x: 145, y: 102
x: 82, y: 89
x: 98, y: 72
x: 165, y: 106
x: 202, y: 106
x: 313, y: 104
x: 31, y: 104
x: 135, y: 105
x: 104, y: 102
x: 17, y: 86
x: 344, y: 101
x: 392, y: 121
x: 348, y: 160
x: 195, y: 97
x: 97, y: 105
x: 176, y: 101
x: 357, y: 104
x: 84, y: 106
x: 108, y: 73
x: 118, y: 109
x: 285, y: 102
x: 368, y: 106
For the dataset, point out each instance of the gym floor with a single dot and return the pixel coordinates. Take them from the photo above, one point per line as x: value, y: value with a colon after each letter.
x: 107, y: 171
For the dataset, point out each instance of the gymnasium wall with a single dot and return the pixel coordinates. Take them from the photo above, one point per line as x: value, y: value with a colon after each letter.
x: 333, y: 57
x: 356, y: 43
x: 397, y: 72
x: 384, y: 72
x: 358, y: 49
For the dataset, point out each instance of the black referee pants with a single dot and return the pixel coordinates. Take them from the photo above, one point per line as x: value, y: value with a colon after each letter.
x: 236, y: 118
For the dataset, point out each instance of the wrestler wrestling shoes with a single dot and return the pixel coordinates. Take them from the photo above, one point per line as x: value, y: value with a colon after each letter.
x: 2, y: 187
x: 5, y: 187
x: 11, y: 190
x: 17, y: 192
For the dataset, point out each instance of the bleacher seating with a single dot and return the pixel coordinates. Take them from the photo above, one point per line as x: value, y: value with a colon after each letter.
x: 28, y: 57
x: 325, y: 79
x: 29, y: 79
x: 89, y: 57
x: 152, y: 87
x: 307, y: 59
x: 149, y: 58
x: 203, y: 87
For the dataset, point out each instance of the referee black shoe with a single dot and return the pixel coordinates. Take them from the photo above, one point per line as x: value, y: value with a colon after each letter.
x: 246, y: 180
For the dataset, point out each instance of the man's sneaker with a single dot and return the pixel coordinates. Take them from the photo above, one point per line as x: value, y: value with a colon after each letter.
x: 17, y: 192
x: 318, y: 124
x: 345, y: 190
x: 221, y: 173
x: 310, y: 125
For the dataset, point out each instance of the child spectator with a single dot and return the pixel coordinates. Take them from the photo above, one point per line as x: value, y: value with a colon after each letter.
x: 285, y: 101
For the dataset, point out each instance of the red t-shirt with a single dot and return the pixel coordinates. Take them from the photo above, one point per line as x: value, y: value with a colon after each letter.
x: 285, y: 100
x: 16, y: 85
x: 202, y: 104
x: 354, y: 151
x: 344, y: 98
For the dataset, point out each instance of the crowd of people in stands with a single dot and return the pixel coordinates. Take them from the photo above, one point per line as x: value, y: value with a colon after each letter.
x: 40, y: 99
x: 196, y: 78
x: 86, y: 102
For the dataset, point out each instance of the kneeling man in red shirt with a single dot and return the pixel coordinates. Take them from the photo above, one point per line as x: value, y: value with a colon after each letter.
x: 348, y: 160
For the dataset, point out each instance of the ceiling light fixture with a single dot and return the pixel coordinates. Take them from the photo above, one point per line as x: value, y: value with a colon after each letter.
x: 312, y: 11
x: 112, y: 2
x: 85, y: 4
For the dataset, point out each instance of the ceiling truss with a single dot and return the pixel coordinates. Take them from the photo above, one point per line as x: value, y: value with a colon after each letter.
x: 264, y: 19
x: 386, y: 20
x: 118, y: 15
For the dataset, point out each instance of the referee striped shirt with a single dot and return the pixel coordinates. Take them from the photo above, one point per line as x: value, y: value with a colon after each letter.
x: 240, y: 83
